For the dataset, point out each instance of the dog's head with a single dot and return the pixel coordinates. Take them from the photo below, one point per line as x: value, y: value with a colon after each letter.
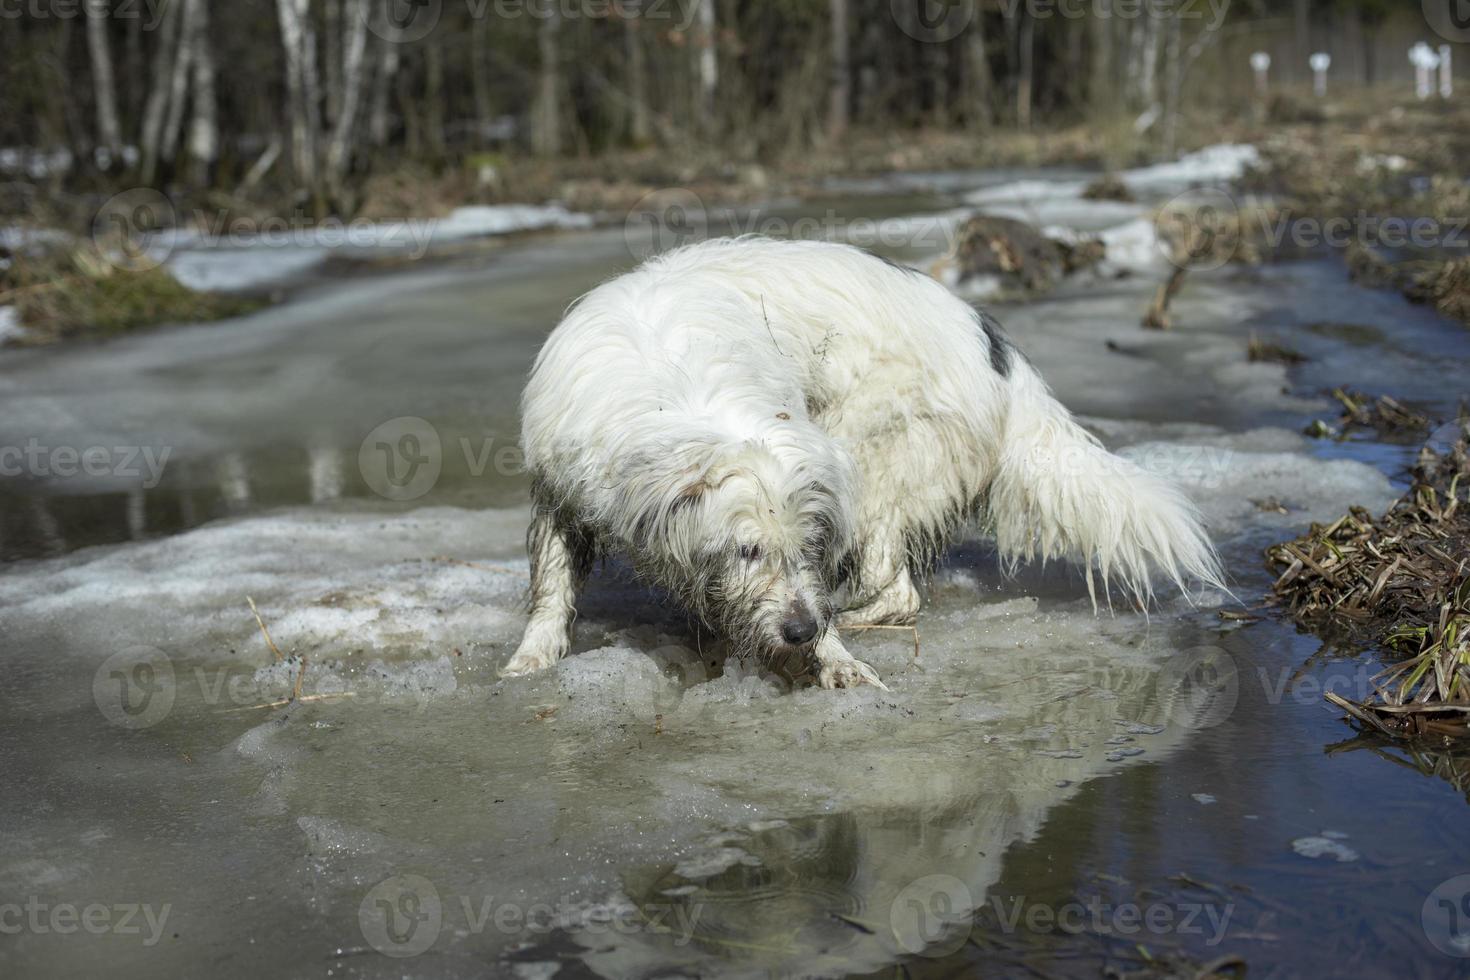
x: 753, y: 539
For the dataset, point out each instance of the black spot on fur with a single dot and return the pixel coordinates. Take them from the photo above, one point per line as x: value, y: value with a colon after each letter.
x: 1000, y: 347
x: 910, y: 270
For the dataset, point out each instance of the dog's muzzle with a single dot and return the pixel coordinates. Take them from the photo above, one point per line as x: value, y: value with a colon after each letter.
x: 799, y: 627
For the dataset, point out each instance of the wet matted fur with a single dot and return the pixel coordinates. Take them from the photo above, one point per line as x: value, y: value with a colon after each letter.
x: 787, y: 434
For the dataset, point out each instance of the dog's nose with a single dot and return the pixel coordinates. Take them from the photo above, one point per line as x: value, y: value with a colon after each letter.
x: 799, y: 627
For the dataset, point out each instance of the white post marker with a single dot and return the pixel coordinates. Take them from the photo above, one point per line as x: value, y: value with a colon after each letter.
x: 1320, y: 62
x: 1424, y: 60
x: 1261, y: 64
x: 1446, y: 76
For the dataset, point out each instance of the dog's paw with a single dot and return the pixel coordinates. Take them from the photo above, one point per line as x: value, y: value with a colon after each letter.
x: 849, y: 673
x: 530, y: 659
x: 543, y: 644
x: 526, y: 663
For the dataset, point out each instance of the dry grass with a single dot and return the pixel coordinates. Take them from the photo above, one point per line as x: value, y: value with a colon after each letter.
x: 1385, y: 415
x: 1261, y: 350
x: 1405, y: 164
x: 76, y: 292
x: 300, y: 673
x: 1443, y: 285
x: 1024, y: 261
x: 1108, y: 188
x: 1401, y: 581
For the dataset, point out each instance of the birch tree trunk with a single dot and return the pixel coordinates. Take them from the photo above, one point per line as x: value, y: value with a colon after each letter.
x: 840, y: 95
x: 545, y: 116
x: 301, y: 89
x: 179, y: 84
x: 709, y: 65
x: 203, y: 143
x: 157, y: 105
x: 1133, y: 66
x: 104, y: 83
x: 352, y: 75
x: 1148, y: 71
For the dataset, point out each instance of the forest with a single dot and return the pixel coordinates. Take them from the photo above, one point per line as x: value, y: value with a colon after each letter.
x: 302, y: 100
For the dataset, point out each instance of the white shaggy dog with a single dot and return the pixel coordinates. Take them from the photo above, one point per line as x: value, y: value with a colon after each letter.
x: 787, y: 434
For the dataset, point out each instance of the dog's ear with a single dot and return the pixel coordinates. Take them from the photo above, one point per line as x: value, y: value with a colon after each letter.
x: 691, y: 493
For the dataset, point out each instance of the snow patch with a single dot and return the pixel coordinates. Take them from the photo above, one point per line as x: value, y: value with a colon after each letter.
x: 1230, y: 484
x: 203, y: 260
x: 1324, y: 846
x: 1211, y: 165
x: 10, y: 328
x: 1133, y: 246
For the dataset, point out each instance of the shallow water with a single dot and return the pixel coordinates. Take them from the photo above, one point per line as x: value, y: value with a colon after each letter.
x: 1043, y: 790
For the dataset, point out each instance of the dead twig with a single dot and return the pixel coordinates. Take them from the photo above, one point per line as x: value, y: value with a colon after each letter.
x: 265, y: 632
x: 1157, y: 316
x: 296, y: 686
x: 302, y: 699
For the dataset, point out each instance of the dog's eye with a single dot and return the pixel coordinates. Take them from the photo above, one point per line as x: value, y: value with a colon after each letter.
x: 750, y: 552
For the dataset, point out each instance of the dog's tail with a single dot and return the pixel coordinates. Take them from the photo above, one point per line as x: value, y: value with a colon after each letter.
x: 1058, y: 493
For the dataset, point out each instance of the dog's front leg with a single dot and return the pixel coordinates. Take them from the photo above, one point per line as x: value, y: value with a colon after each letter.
x: 560, y: 560
x: 839, y: 668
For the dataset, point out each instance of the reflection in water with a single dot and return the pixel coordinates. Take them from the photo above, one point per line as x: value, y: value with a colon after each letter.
x: 1448, y: 762
x: 193, y: 492
x: 47, y: 530
x: 234, y: 482
x: 326, y: 473
x: 902, y: 871
x: 137, y: 516
x: 1173, y: 864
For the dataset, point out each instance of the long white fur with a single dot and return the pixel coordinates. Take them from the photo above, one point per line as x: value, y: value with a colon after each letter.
x: 772, y: 428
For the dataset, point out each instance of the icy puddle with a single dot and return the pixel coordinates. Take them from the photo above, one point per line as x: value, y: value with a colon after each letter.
x: 650, y: 808
x: 650, y: 801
